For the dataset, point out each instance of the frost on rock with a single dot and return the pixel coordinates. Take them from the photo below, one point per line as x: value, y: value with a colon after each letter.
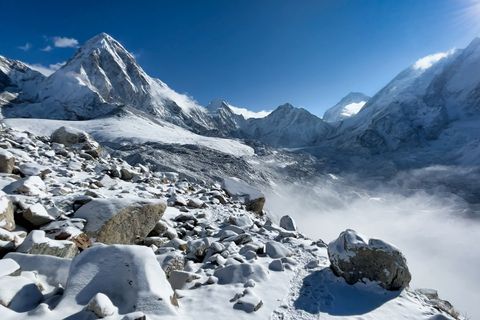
x: 354, y: 258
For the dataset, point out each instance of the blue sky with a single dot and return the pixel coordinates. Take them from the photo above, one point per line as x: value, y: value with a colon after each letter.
x: 255, y: 54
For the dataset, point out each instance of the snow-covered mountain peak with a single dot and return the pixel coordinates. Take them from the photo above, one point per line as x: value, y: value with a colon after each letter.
x: 217, y: 104
x: 348, y: 106
x: 102, y: 77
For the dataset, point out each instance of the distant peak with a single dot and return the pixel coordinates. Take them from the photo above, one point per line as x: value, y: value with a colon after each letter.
x: 100, y: 37
x: 286, y: 106
x: 216, y: 104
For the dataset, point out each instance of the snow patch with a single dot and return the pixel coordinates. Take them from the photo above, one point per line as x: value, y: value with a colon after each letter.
x: 428, y: 61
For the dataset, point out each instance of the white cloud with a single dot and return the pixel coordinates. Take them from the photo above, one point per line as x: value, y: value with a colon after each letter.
x: 428, y: 61
x: 47, y: 48
x: 46, y: 70
x: 27, y: 46
x: 249, y: 114
x: 64, y: 42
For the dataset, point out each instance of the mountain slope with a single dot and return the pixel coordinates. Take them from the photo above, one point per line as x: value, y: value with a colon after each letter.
x: 102, y: 77
x: 287, y: 126
x: 17, y: 78
x: 401, y: 113
x: 349, y: 106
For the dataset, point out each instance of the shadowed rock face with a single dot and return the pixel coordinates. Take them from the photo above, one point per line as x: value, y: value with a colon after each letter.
x: 355, y: 259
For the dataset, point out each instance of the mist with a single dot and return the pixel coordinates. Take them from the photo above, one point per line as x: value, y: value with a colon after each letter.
x: 436, y: 230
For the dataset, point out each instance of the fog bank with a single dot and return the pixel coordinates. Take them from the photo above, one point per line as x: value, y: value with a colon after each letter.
x: 434, y: 230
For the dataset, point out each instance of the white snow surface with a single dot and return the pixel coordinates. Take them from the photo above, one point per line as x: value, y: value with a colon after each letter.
x: 352, y: 108
x: 133, y: 130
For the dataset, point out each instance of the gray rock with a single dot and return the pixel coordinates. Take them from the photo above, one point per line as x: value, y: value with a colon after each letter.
x: 354, y: 258
x: 76, y: 139
x: 287, y: 223
x: 276, y: 250
x: 7, y: 161
x: 276, y: 265
x: 120, y: 221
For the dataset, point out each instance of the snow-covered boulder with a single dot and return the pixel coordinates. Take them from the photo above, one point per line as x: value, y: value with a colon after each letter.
x: 101, y: 305
x: 248, y: 301
x: 37, y: 243
x: 7, y: 161
x: 69, y: 136
x: 30, y: 186
x: 276, y: 250
x: 54, y: 270
x: 37, y: 215
x: 76, y: 139
x: 7, y: 220
x: 120, y: 221
x: 355, y: 258
x: 129, y: 276
x: 251, y: 196
x: 8, y: 267
x: 240, y: 273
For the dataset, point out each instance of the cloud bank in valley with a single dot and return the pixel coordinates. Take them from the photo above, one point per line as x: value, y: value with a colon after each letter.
x: 436, y: 232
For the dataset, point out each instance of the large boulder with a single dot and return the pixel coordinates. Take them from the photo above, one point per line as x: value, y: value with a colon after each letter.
x: 69, y: 136
x: 7, y: 220
x: 7, y: 161
x: 129, y: 276
x: 253, y: 198
x: 120, y: 221
x: 76, y: 139
x: 355, y: 258
x: 287, y: 223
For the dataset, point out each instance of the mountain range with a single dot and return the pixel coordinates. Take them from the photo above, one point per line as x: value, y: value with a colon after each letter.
x: 428, y: 106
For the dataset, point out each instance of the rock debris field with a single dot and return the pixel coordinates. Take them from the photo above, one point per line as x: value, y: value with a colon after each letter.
x: 87, y: 236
